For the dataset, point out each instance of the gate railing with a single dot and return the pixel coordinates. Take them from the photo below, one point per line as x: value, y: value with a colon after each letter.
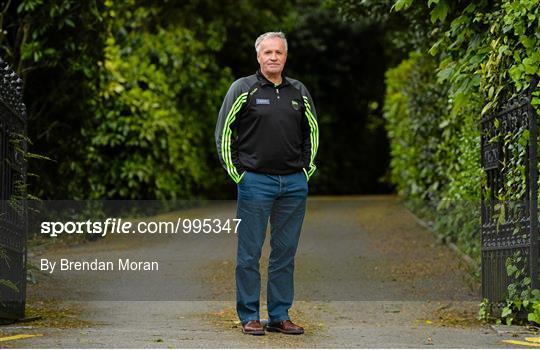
x: 509, y: 226
x: 13, y: 205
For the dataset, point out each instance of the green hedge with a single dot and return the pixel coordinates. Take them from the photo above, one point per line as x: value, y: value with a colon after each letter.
x: 434, y: 158
x: 480, y: 54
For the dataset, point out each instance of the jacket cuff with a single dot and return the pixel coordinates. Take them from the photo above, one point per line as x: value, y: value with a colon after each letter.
x: 236, y: 173
x: 306, y: 174
x: 242, y: 173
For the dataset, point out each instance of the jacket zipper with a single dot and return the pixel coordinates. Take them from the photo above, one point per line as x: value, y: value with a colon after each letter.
x: 277, y: 93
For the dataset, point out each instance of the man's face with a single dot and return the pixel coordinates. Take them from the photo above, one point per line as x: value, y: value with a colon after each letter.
x: 272, y: 56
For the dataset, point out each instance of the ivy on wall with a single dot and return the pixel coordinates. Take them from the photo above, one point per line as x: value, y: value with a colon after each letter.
x: 486, y: 53
x: 471, y: 57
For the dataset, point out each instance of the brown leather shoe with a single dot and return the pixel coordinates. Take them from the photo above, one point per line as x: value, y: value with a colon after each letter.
x: 253, y: 327
x: 286, y: 327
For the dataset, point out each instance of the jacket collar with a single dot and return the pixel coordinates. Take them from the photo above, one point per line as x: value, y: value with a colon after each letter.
x: 262, y: 78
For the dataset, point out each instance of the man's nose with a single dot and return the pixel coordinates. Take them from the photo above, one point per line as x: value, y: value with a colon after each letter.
x: 273, y: 57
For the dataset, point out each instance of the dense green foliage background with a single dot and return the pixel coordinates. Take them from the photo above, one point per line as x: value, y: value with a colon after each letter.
x: 123, y: 95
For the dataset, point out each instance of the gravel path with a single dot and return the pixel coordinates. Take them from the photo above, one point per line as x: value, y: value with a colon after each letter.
x: 367, y: 275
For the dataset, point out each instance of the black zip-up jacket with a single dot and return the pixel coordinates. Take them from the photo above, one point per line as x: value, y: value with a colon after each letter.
x: 267, y: 128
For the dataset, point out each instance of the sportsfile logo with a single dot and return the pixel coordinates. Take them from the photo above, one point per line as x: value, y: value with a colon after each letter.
x: 122, y: 226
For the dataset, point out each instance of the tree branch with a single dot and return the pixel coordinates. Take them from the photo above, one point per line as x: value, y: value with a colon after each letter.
x: 4, y: 11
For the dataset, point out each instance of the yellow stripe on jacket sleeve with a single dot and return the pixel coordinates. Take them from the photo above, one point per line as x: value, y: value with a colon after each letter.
x: 226, y: 153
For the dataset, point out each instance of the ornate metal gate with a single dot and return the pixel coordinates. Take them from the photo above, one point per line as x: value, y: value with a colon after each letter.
x: 13, y: 205
x: 509, y: 226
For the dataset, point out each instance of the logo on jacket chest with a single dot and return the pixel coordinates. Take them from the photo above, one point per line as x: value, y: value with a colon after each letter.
x: 262, y: 101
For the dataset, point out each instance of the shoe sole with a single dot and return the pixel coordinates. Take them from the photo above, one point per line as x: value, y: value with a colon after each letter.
x: 253, y: 332
x: 279, y: 330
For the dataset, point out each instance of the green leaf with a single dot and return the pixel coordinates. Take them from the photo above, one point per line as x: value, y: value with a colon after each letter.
x: 506, y: 311
x: 444, y: 124
x: 401, y: 5
x: 509, y: 321
x: 510, y: 270
x: 69, y: 23
x: 487, y: 107
x: 9, y: 284
x: 533, y: 317
x: 444, y: 74
x: 531, y: 66
x: 440, y: 12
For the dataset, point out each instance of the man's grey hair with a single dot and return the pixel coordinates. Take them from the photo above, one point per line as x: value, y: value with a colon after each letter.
x: 269, y: 35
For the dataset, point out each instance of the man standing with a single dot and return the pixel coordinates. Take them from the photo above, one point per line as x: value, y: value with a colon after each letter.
x: 267, y: 138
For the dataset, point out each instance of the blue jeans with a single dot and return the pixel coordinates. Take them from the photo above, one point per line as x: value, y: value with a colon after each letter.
x: 282, y: 198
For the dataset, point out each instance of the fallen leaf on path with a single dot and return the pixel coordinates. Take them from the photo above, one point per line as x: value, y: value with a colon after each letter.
x: 429, y: 341
x: 533, y: 339
x: 19, y: 336
x: 519, y: 342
